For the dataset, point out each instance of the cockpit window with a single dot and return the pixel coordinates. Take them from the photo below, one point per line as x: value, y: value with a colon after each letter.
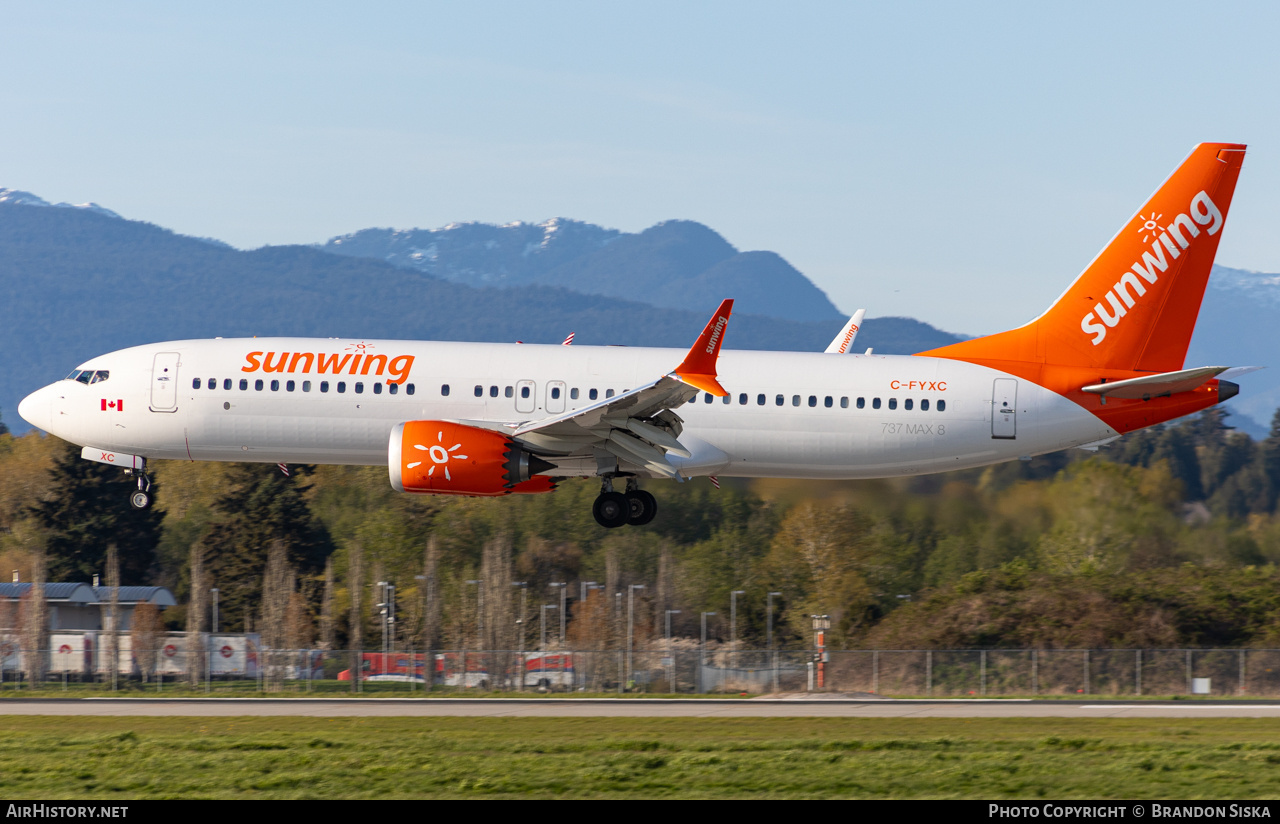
x: 87, y: 376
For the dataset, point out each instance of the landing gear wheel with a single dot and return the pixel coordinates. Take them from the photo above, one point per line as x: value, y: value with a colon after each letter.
x: 611, y: 510
x: 140, y: 500
x: 643, y: 507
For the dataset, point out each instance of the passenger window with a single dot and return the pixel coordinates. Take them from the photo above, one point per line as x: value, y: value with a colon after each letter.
x: 257, y: 385
x: 608, y: 393
x: 706, y: 397
x: 289, y: 386
x: 573, y: 394
x: 795, y: 400
x: 862, y: 403
x: 924, y: 404
x: 844, y: 402
x: 760, y: 399
x: 275, y: 386
x: 893, y: 403
x: 342, y: 387
x: 813, y: 400
x: 593, y: 394
x: 377, y: 389
x: 942, y: 406
x: 742, y: 399
x: 510, y: 392
x: 324, y: 386
x: 195, y: 383
x: 728, y: 399
x: 393, y: 388
x: 408, y: 389
x: 524, y: 393
x: 907, y: 404
x: 779, y: 400
x: 212, y: 383
x: 493, y: 391
x: 828, y: 402
x: 479, y: 391
x: 555, y: 393
x: 359, y: 388
x: 226, y: 384
x: 444, y: 389
x: 875, y: 403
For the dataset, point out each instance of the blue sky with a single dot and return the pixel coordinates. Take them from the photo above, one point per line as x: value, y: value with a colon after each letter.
x: 955, y: 162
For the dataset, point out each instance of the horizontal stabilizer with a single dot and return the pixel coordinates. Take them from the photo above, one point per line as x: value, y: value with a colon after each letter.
x: 1154, y: 386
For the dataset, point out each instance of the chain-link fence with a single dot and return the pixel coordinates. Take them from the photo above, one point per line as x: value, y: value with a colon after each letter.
x: 231, y: 664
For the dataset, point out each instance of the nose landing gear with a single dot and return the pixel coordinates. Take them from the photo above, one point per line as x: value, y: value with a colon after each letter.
x: 141, y: 499
x: 614, y: 509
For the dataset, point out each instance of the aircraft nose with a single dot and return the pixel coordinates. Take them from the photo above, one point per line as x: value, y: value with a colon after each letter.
x: 37, y: 408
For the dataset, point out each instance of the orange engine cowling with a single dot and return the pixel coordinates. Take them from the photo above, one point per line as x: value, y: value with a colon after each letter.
x: 455, y: 459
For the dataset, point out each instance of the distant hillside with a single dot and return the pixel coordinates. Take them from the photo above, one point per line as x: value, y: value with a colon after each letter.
x: 677, y: 264
x: 80, y: 282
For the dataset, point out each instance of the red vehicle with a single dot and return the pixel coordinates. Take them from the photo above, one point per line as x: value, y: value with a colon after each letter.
x: 394, y: 666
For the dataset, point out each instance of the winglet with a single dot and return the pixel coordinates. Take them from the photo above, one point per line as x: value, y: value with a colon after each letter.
x: 699, y: 366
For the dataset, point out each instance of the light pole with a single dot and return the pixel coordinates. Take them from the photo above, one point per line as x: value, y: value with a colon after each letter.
x: 631, y: 612
x: 773, y: 658
x: 524, y: 594
x: 214, y: 606
x: 671, y: 661
x: 561, y: 586
x: 583, y: 586
x: 542, y: 665
x: 479, y: 642
x: 390, y: 595
x: 733, y: 623
x: 382, y: 617
x: 616, y: 632
x: 702, y: 652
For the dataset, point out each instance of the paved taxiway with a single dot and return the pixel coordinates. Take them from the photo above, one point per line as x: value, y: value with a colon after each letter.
x: 631, y: 708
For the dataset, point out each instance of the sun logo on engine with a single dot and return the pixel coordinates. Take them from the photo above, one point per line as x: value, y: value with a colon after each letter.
x: 1150, y: 225
x: 439, y: 456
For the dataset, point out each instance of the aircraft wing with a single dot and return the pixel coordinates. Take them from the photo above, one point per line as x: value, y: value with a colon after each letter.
x: 639, y: 426
x: 843, y: 341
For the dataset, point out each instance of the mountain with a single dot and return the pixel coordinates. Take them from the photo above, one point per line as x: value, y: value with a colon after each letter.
x: 676, y: 264
x: 1237, y: 327
x: 80, y: 282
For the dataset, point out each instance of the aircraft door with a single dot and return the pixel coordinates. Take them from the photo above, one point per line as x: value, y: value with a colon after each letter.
x: 526, y: 396
x: 555, y: 397
x: 164, y: 382
x: 1004, y: 404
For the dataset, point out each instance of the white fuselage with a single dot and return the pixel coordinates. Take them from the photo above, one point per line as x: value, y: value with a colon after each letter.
x: 916, y: 415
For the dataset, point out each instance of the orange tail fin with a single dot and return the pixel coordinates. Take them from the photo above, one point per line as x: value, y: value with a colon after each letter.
x: 1135, y: 306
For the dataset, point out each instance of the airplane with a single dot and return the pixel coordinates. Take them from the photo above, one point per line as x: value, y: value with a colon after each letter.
x: 490, y: 419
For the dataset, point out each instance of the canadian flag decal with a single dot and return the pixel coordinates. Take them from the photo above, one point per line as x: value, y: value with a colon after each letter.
x: 116, y: 405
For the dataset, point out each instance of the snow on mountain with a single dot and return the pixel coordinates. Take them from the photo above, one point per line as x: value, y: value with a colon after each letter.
x: 16, y: 197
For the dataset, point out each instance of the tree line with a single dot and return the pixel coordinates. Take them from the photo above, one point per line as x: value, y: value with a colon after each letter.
x: 1168, y: 536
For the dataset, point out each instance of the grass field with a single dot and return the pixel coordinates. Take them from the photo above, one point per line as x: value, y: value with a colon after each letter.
x: 128, y: 758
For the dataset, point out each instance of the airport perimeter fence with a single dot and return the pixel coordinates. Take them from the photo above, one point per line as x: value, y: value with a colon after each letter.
x: 917, y: 673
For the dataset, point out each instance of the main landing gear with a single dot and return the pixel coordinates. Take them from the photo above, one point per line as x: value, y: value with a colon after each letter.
x: 141, y: 499
x: 614, y: 509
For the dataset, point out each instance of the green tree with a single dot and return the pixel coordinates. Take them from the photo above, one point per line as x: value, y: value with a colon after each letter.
x: 86, y: 508
x: 261, y: 505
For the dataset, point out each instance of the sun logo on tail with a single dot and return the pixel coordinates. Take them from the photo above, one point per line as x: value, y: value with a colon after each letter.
x: 439, y: 456
x: 1150, y: 225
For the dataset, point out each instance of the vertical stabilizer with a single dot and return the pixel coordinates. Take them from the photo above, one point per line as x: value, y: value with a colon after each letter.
x: 1135, y: 306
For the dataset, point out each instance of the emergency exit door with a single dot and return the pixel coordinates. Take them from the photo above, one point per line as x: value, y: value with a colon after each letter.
x: 164, y: 382
x: 1004, y: 409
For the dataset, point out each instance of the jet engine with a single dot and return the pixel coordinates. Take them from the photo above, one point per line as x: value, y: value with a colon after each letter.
x: 445, y: 458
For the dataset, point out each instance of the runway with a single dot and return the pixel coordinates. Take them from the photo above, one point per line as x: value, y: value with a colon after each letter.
x: 631, y: 708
